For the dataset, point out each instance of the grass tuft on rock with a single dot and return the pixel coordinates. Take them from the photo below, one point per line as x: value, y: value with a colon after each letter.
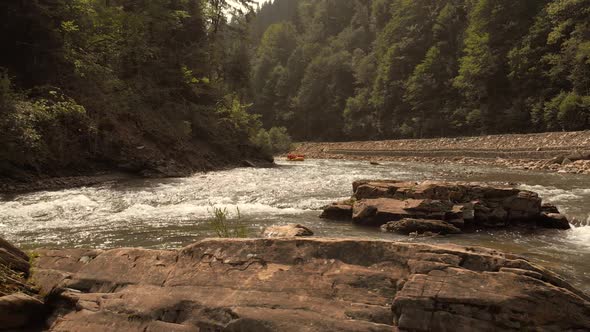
x: 226, y: 225
x: 13, y: 282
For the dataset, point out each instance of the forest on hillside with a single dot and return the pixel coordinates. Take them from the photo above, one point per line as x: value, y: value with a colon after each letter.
x: 142, y: 86
x: 368, y: 69
x: 170, y: 87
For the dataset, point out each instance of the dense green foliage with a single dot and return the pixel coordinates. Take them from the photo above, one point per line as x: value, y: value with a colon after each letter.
x: 140, y: 85
x: 363, y: 69
x: 169, y: 86
x: 274, y: 141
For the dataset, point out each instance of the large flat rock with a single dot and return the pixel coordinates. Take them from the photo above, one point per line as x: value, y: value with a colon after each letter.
x: 305, y: 285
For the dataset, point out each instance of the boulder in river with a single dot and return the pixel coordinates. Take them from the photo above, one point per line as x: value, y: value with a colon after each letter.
x: 554, y: 220
x: 306, y: 285
x: 464, y: 205
x: 290, y: 230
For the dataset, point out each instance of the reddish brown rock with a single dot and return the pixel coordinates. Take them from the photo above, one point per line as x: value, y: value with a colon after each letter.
x: 19, y: 310
x: 337, y: 211
x: 14, y: 270
x: 462, y: 204
x: 379, y: 211
x: 306, y: 285
x: 454, y: 297
x: 420, y: 226
x: 9, y: 247
x: 364, y: 189
x: 14, y: 262
x: 13, y: 258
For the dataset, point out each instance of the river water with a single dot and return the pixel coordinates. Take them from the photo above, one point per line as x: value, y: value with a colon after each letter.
x: 172, y: 213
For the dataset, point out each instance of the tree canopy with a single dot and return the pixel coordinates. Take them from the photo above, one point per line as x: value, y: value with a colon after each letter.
x: 156, y: 84
x: 132, y: 84
x: 365, y: 69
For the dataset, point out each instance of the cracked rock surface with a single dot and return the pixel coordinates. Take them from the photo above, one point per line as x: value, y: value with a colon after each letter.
x: 304, y: 285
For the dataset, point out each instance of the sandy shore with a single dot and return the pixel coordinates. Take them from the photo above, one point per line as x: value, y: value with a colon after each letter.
x: 563, y: 152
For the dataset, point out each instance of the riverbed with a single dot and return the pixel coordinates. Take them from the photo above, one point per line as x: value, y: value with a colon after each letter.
x: 171, y: 213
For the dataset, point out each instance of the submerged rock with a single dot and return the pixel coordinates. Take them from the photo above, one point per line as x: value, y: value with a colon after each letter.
x: 291, y: 230
x: 306, y: 285
x: 420, y: 226
x: 464, y: 205
x: 554, y: 220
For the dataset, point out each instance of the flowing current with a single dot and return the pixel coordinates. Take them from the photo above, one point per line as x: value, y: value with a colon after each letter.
x: 172, y: 213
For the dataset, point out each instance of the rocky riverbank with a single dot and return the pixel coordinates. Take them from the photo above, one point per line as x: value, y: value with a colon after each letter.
x: 289, y: 284
x: 435, y: 207
x: 9, y: 187
x: 35, y: 182
x: 564, y: 152
x: 20, y: 304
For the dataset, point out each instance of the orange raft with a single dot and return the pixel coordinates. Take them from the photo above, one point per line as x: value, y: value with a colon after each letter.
x: 296, y: 157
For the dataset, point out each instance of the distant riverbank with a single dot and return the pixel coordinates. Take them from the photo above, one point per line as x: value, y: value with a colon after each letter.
x: 32, y: 182
x: 563, y: 152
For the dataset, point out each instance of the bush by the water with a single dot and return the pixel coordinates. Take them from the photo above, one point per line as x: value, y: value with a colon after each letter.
x: 274, y: 141
x: 41, y: 128
x: 226, y: 225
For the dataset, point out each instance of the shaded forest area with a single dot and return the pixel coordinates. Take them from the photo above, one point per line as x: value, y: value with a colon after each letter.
x: 142, y: 86
x: 168, y: 87
x: 379, y: 69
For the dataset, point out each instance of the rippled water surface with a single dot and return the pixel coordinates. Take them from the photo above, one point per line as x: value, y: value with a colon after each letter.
x: 172, y: 213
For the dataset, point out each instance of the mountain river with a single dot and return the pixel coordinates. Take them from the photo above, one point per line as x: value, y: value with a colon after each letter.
x: 171, y: 213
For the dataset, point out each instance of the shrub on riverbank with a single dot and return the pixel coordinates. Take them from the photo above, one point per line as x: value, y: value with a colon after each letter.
x: 274, y: 141
x: 40, y: 129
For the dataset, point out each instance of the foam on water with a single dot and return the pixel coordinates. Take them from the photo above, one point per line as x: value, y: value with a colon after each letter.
x: 290, y: 190
x: 581, y: 236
